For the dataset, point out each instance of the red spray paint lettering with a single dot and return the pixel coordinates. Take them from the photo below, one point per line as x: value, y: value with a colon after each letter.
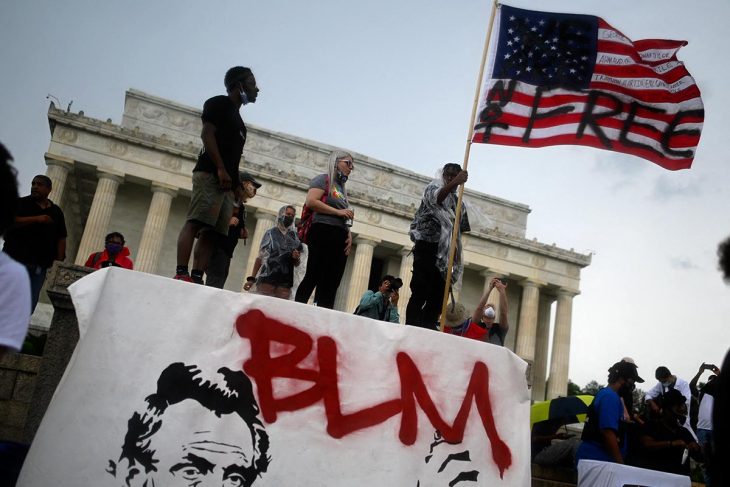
x: 263, y: 332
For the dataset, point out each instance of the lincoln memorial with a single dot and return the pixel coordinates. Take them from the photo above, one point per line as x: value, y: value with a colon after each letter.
x: 135, y: 178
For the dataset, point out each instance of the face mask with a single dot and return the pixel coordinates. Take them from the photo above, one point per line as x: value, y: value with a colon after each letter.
x: 113, y: 248
x: 341, y: 177
x: 666, y: 384
x: 287, y: 220
x: 244, y: 97
x: 489, y: 313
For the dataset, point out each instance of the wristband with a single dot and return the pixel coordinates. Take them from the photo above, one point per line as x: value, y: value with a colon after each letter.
x: 250, y: 279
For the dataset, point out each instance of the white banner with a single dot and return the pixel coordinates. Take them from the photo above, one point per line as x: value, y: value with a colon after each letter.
x: 175, y: 384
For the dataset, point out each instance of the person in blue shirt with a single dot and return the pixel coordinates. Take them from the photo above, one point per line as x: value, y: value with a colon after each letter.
x: 604, y: 435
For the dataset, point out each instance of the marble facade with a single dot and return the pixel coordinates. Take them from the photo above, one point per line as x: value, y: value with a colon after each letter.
x: 135, y: 178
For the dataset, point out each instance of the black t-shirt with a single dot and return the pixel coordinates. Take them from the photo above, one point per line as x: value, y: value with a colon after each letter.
x: 35, y: 244
x: 230, y: 135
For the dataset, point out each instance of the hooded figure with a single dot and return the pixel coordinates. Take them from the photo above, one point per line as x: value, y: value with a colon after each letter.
x: 279, y: 253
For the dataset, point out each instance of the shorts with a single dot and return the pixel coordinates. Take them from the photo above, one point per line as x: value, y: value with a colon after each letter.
x: 208, y: 204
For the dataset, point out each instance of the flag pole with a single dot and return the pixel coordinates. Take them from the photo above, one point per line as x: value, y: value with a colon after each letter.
x: 467, y: 150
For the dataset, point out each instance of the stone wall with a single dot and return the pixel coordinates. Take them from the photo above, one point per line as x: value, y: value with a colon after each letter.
x: 17, y: 381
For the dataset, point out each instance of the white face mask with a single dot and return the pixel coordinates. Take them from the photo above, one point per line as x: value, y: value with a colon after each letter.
x: 244, y: 98
x: 489, y: 313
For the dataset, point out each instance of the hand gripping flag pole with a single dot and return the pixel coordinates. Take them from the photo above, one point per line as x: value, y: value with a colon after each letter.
x: 467, y: 150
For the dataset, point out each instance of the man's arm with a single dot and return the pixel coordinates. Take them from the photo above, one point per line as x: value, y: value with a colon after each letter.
x: 503, y: 305
x: 610, y: 442
x: 448, y: 187
x: 22, y: 221
x: 479, y: 310
x: 211, y: 147
x: 693, y: 382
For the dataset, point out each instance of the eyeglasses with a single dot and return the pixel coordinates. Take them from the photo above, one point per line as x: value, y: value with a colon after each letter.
x: 349, y: 163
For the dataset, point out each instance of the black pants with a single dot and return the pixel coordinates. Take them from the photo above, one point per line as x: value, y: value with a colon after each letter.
x: 427, y: 287
x: 218, y: 266
x: 325, y: 265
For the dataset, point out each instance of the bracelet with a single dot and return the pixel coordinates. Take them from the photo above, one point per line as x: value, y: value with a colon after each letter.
x: 251, y: 279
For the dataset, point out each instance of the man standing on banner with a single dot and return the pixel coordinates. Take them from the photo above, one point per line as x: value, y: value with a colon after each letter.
x: 431, y: 231
x: 38, y: 235
x: 220, y: 259
x: 216, y: 173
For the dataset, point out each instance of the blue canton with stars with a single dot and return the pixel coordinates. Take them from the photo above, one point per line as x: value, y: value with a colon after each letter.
x: 546, y: 49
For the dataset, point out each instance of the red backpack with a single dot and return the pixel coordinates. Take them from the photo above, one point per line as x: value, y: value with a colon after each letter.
x: 305, y: 222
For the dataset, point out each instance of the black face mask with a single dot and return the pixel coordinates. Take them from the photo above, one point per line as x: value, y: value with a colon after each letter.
x: 341, y: 177
x: 287, y: 220
x: 626, y: 390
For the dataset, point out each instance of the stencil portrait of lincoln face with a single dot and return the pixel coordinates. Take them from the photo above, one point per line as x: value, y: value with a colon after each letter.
x: 196, y: 430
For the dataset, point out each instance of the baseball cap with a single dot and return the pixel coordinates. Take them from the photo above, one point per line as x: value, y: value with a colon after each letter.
x: 626, y: 370
x: 246, y: 176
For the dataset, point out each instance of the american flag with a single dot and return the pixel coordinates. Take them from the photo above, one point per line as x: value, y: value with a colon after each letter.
x: 568, y: 79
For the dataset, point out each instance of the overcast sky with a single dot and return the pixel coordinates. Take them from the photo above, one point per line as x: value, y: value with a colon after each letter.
x: 394, y: 79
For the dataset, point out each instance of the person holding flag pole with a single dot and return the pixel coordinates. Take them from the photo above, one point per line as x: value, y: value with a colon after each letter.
x: 467, y: 150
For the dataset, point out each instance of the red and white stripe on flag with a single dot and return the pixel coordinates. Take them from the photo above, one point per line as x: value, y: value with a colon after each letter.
x: 637, y: 97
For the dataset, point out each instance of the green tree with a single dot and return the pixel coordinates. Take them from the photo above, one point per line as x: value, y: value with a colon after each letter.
x: 592, y: 388
x: 573, y: 388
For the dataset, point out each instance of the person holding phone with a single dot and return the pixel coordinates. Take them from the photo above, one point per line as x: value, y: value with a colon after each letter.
x: 382, y: 304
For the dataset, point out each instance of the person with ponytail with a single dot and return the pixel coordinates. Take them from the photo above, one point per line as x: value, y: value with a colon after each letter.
x: 329, y: 238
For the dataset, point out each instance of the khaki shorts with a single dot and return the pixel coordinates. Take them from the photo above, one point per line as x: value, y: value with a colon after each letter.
x: 209, y: 205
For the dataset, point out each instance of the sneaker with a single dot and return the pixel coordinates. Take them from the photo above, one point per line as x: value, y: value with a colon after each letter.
x: 183, y: 277
x: 196, y: 280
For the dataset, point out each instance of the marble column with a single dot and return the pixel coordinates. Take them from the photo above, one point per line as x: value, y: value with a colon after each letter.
x: 539, y: 365
x: 364, y: 247
x: 527, y: 326
x: 264, y: 221
x: 343, y: 290
x: 560, y: 358
x: 406, y: 273
x: 97, y: 222
x: 57, y: 169
x: 154, y: 228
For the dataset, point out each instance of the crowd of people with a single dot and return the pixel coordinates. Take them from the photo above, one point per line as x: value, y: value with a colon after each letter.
x: 673, y: 424
x: 34, y: 231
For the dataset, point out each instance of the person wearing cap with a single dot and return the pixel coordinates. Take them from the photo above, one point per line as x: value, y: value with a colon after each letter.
x: 279, y: 254
x: 666, y: 382
x: 665, y: 439
x: 220, y: 259
x: 604, y: 433
x: 215, y: 175
x: 382, y: 304
x: 483, y: 325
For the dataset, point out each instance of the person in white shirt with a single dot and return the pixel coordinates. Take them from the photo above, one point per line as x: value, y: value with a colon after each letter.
x: 14, y: 280
x: 667, y: 382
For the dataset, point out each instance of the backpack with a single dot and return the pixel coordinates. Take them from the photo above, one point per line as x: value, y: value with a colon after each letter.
x: 305, y: 222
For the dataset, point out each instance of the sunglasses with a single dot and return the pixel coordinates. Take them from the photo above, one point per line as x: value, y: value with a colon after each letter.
x: 349, y: 163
